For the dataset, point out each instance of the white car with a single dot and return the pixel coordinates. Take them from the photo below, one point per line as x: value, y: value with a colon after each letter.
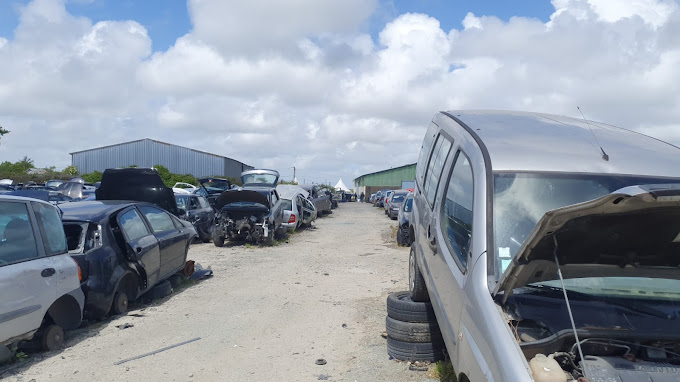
x: 297, y: 208
x: 40, y: 282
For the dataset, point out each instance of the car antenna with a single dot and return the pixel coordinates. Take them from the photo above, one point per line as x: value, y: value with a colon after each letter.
x: 604, y: 154
x: 571, y: 316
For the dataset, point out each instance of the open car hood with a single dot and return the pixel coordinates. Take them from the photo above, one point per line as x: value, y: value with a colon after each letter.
x: 241, y: 195
x: 632, y: 232
x: 140, y: 184
x: 262, y: 178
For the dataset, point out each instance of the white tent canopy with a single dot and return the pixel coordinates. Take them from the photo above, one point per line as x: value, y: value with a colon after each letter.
x: 341, y: 186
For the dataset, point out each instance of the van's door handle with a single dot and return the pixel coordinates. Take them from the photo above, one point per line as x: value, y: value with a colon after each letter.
x: 47, y: 272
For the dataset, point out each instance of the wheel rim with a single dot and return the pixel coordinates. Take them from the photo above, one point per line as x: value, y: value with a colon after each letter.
x: 411, y: 271
x: 122, y: 303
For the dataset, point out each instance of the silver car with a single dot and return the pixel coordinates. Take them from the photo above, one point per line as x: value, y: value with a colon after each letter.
x: 548, y: 247
x: 298, y: 210
x: 41, y: 292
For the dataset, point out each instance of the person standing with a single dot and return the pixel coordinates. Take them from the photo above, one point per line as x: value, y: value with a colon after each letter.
x: 362, y: 197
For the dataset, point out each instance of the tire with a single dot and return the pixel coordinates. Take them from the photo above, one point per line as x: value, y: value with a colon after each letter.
x: 402, y: 308
x: 52, y: 338
x: 410, y: 351
x: 415, y: 332
x: 160, y: 290
x: 400, y: 237
x: 218, y: 240
x: 416, y: 282
x: 120, y: 303
x: 176, y: 280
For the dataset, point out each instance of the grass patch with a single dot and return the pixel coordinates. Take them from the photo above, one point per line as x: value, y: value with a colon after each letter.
x: 249, y: 246
x: 442, y: 371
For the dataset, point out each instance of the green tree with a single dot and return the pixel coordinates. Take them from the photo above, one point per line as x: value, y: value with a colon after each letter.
x: 92, y: 177
x: 3, y: 131
x: 70, y: 170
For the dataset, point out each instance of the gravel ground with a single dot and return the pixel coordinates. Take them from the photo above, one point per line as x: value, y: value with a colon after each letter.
x: 268, y: 314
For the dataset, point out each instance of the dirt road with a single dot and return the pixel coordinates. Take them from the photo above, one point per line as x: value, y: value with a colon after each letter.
x: 268, y: 314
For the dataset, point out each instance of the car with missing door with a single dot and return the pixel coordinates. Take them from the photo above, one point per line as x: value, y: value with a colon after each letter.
x: 548, y: 247
x: 41, y: 295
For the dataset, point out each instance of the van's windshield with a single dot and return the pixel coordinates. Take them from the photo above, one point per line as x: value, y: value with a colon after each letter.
x: 521, y: 199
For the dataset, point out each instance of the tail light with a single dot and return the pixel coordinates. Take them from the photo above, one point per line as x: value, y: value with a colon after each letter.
x: 292, y: 219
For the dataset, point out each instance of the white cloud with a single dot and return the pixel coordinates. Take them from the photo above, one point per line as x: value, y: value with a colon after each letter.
x: 297, y: 83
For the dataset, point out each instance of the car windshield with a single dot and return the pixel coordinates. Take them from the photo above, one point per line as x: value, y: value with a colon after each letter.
x: 215, y: 186
x: 398, y: 198
x: 521, y: 199
x: 258, y: 178
x: 640, y: 288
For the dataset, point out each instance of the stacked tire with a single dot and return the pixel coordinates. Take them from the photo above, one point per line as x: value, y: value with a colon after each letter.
x: 412, y: 330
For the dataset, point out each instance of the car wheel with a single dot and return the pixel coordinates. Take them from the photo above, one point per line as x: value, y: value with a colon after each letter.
x: 416, y: 282
x: 52, y: 338
x: 218, y: 240
x: 402, y: 308
x: 120, y: 303
x: 400, y: 237
x: 417, y: 332
x: 412, y: 351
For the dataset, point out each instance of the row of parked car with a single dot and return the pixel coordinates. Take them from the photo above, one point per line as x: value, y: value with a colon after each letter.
x: 258, y: 211
x: 398, y: 205
x: 89, y: 257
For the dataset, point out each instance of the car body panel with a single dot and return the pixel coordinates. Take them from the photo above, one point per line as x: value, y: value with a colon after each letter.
x: 322, y: 201
x: 261, y: 177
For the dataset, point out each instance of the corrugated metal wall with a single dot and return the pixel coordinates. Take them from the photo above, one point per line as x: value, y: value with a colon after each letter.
x: 391, y: 178
x: 147, y: 153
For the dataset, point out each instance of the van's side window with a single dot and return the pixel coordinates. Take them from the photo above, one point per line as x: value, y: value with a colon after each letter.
x: 424, y: 150
x: 457, y: 212
x: 434, y: 168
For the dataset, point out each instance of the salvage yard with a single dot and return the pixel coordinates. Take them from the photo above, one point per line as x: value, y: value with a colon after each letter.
x: 268, y: 313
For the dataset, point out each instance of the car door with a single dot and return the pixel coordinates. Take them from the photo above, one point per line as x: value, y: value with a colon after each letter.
x: 276, y: 208
x: 142, y: 247
x: 28, y: 279
x: 172, y: 241
x: 428, y: 241
x: 307, y: 210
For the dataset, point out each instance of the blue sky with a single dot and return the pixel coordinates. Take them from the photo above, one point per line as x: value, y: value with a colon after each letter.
x: 166, y: 20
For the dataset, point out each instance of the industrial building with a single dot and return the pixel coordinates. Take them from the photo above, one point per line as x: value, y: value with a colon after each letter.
x: 148, y: 152
x: 395, y: 178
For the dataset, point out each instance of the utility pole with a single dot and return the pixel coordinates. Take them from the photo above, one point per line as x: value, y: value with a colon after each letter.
x: 294, y: 177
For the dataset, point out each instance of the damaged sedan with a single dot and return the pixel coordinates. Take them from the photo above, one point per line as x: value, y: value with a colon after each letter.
x: 253, y: 212
x: 545, y: 256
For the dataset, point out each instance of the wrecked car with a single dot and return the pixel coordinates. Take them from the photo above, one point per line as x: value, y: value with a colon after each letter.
x: 196, y: 209
x: 125, y: 247
x: 41, y: 295
x: 297, y: 209
x: 545, y: 264
x: 212, y: 188
x: 253, y: 212
x: 317, y: 195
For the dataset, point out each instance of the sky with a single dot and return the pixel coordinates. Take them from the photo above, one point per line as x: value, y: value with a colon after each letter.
x: 335, y: 89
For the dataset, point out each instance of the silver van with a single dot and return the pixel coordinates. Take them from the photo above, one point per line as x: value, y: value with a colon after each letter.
x: 39, y: 281
x: 549, y: 247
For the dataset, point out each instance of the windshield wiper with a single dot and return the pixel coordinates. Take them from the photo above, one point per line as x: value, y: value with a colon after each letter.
x: 634, y: 306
